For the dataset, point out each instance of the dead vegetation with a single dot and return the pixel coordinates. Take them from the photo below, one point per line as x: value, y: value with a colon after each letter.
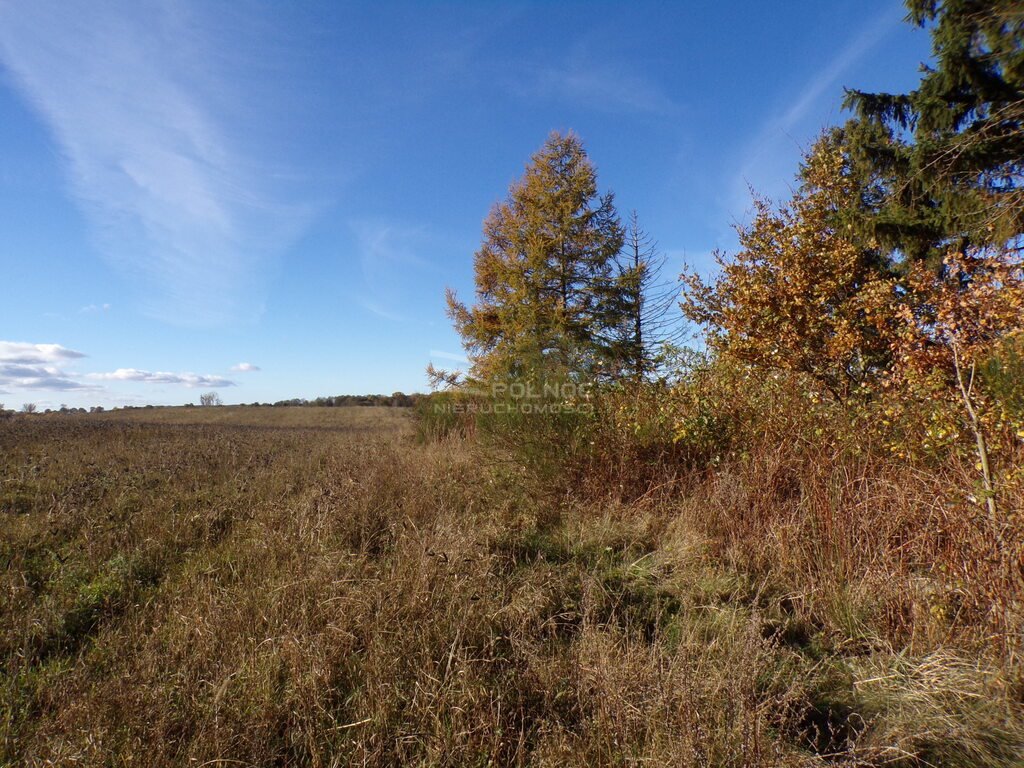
x: 218, y: 594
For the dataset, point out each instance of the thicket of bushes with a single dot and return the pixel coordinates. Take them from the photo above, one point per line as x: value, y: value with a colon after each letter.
x: 855, y: 418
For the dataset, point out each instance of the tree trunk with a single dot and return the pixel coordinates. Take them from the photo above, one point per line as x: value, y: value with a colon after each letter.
x: 979, y: 436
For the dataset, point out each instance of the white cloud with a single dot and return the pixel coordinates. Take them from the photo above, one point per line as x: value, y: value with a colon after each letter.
x: 37, y: 377
x: 162, y: 377
x: 245, y: 368
x: 131, y: 92
x: 23, y: 353
x: 36, y: 366
x: 41, y: 367
x: 94, y: 308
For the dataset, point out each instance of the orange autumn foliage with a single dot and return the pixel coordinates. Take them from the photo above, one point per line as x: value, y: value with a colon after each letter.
x: 793, y: 297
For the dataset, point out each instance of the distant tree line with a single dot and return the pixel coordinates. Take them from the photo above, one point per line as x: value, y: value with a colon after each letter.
x: 394, y: 400
x: 33, y: 408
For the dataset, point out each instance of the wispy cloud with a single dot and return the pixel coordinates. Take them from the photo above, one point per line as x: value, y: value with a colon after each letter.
x: 455, y: 357
x: 856, y: 49
x: 92, y: 309
x: 245, y: 368
x: 767, y: 156
x: 379, y: 310
x: 190, y: 380
x: 588, y: 75
x: 130, y: 93
x: 385, y: 250
x: 384, y: 246
x: 603, y: 86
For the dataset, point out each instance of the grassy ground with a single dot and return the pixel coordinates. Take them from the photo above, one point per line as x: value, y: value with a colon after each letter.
x: 376, y: 419
x: 300, y: 586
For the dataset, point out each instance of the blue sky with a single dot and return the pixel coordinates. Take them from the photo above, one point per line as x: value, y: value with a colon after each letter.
x: 268, y: 199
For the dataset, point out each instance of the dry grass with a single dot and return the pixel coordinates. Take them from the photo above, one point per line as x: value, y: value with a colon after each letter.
x: 887, y: 550
x: 374, y: 419
x: 312, y: 587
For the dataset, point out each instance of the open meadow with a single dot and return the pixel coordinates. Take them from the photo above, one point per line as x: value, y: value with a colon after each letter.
x: 304, y: 586
x: 642, y: 384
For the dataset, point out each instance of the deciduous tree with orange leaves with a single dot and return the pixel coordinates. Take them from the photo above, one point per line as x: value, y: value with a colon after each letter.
x: 793, y: 297
x: 946, y: 325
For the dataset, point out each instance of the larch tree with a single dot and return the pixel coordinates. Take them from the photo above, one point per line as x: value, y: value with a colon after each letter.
x: 545, y: 273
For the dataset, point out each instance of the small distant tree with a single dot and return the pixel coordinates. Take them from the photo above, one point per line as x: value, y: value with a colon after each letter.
x: 28, y: 408
x: 209, y: 398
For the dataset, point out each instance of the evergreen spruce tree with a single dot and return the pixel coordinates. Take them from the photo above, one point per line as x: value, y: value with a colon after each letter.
x: 545, y: 272
x: 649, y: 303
x: 943, y: 166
